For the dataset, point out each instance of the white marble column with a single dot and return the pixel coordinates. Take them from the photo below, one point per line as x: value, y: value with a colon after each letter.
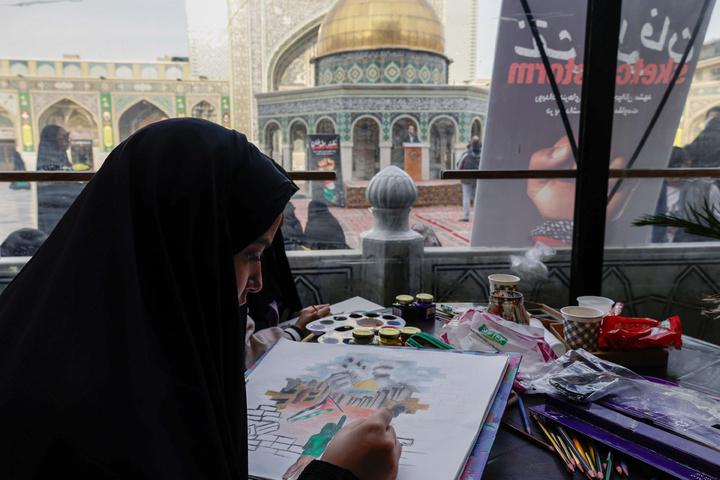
x: 287, y: 156
x: 425, y: 152
x: 385, y: 155
x: 346, y: 161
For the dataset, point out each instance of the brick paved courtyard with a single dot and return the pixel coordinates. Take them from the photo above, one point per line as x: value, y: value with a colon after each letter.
x: 445, y: 221
x: 18, y: 209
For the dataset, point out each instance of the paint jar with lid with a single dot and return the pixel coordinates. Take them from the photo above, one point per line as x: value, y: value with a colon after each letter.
x: 425, y: 307
x: 389, y: 337
x: 363, y: 336
x: 404, y: 307
x: 407, y: 332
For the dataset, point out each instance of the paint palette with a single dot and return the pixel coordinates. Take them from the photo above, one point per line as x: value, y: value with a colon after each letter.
x: 339, y: 328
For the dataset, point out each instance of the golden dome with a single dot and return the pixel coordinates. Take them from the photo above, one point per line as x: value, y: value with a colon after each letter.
x: 364, y: 24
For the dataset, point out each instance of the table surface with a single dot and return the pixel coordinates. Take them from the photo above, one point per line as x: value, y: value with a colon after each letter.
x: 696, y: 365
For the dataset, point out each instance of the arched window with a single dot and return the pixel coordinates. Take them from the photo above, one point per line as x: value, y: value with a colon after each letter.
x: 141, y: 114
x: 366, y: 149
x: 442, y: 140
x: 204, y: 110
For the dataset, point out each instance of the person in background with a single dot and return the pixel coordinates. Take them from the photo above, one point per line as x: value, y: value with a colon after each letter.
x: 122, y: 340
x: 322, y: 230
x: 275, y: 303
x: 677, y: 194
x: 54, y: 198
x: 470, y: 160
x: 292, y: 230
x: 19, y: 166
x: 410, y: 136
x: 429, y: 236
x: 704, y: 151
x: 22, y: 243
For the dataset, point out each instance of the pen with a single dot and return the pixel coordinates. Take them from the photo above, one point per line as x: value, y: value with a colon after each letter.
x: 523, y: 413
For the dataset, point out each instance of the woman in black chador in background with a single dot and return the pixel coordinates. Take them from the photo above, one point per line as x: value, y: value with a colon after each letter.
x: 121, y: 340
x: 323, y: 231
x: 54, y: 198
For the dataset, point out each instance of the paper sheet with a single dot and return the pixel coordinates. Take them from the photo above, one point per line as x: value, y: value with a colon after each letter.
x: 301, y: 393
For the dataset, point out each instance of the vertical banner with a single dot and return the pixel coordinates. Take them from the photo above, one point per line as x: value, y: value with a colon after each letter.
x: 28, y: 144
x: 324, y: 154
x: 525, y: 128
x: 180, y: 106
x: 107, y: 129
x: 225, y: 111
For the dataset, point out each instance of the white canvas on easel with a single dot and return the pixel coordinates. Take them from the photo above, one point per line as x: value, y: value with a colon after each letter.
x: 302, y: 393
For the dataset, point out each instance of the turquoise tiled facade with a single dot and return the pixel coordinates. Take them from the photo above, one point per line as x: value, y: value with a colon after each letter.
x: 393, y: 66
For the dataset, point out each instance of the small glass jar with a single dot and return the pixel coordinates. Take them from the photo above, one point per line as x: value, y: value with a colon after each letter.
x: 389, y: 337
x: 363, y: 336
x: 425, y: 307
x: 404, y: 307
x: 407, y: 332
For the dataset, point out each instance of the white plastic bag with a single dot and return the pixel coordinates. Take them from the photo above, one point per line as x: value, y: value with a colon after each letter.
x: 480, y: 331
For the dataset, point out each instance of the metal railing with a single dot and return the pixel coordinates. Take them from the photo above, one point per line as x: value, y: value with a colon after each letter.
x: 87, y: 175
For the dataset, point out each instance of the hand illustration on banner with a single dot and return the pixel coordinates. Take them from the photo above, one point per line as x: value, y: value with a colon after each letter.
x: 554, y: 197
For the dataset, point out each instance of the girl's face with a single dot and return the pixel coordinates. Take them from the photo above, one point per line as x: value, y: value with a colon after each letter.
x: 247, y: 263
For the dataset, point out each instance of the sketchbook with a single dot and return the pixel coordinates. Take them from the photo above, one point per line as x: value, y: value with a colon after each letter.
x: 300, y: 394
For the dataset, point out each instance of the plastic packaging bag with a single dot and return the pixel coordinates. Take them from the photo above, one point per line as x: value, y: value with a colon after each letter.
x: 581, y: 377
x: 621, y: 333
x: 530, y: 266
x: 484, y: 332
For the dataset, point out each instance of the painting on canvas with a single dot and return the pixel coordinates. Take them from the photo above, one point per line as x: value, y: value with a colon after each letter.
x: 301, y: 394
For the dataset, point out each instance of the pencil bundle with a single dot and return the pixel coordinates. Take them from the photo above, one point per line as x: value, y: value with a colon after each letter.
x: 594, y: 459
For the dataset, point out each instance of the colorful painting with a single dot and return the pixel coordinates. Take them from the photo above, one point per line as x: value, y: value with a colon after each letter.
x: 301, y: 394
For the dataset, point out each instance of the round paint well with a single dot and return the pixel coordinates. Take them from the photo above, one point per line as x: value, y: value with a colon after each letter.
x: 327, y: 322
x: 344, y: 328
x: 369, y: 322
x: 393, y: 322
x: 331, y: 340
x: 339, y: 317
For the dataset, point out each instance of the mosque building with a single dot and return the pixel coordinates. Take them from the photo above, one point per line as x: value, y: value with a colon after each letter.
x: 378, y: 68
x: 276, y: 70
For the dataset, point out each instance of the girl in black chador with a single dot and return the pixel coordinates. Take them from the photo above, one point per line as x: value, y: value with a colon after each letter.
x: 121, y: 340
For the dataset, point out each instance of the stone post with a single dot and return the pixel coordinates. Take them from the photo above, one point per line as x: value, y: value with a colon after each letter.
x: 392, y: 252
x: 287, y: 156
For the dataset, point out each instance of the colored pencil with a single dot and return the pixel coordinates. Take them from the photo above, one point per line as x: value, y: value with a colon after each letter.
x: 598, y: 460
x: 579, y: 456
x: 584, y: 453
x: 608, y: 467
x: 523, y: 414
x: 624, y: 467
x: 566, y: 460
x: 527, y: 436
x: 579, y: 462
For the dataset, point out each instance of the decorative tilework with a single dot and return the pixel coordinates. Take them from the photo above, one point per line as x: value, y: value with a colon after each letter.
x: 410, y: 74
x: 424, y: 75
x: 392, y: 72
x: 372, y: 73
x: 355, y: 74
x: 386, y: 126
